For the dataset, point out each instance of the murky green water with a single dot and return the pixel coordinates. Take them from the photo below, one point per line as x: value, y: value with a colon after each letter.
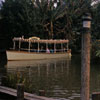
x: 60, y: 78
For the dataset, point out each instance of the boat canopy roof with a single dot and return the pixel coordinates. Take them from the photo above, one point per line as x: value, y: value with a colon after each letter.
x: 41, y: 40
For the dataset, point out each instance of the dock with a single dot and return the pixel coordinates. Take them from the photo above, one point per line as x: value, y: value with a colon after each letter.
x: 27, y: 96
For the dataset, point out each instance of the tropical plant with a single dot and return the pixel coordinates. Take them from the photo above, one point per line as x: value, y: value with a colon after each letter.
x: 48, y: 15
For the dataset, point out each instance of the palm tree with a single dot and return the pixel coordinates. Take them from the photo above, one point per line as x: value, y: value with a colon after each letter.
x: 49, y: 15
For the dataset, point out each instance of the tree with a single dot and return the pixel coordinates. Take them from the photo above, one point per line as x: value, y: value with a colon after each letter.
x: 19, y: 15
x: 48, y: 15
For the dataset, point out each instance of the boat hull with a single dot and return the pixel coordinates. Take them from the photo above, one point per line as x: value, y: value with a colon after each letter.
x: 20, y: 55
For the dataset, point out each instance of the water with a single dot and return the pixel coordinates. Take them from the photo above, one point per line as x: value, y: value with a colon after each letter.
x: 60, y: 78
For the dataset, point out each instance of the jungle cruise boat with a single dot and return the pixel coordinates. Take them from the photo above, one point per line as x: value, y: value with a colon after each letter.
x: 35, y: 48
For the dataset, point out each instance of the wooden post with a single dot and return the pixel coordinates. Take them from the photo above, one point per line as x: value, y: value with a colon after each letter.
x: 85, y: 58
x: 20, y: 92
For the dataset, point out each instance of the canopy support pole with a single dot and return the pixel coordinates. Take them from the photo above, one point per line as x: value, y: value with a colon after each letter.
x: 54, y: 47
x: 14, y: 44
x: 46, y: 46
x: 19, y: 44
x: 62, y: 47
x: 38, y: 47
x: 67, y: 46
x: 29, y: 46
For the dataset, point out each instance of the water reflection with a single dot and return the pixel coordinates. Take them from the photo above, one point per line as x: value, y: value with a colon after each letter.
x: 59, y: 78
x: 95, y: 79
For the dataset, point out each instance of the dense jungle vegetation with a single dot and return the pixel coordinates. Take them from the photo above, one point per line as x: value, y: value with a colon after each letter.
x: 50, y: 19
